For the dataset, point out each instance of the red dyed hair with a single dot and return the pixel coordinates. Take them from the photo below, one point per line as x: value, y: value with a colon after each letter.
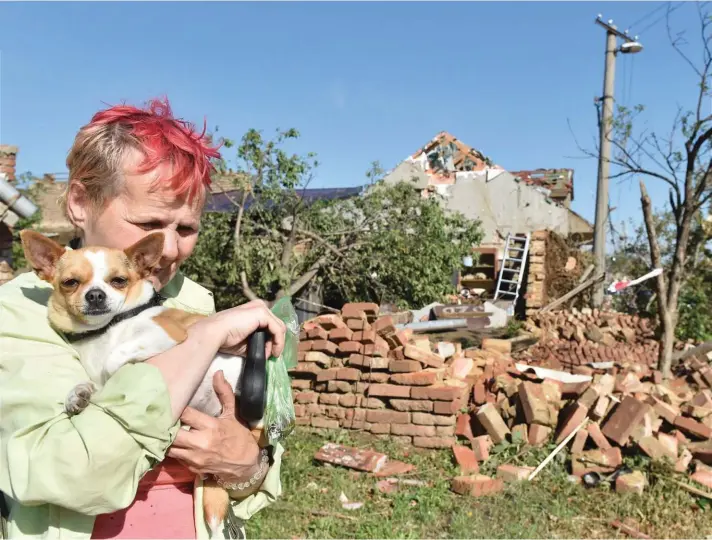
x: 166, y: 139
x: 97, y: 157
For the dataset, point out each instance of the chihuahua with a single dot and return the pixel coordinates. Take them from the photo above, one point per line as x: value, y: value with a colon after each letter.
x: 105, y: 305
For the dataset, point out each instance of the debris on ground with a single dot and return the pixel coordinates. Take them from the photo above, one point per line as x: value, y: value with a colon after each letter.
x: 588, y: 384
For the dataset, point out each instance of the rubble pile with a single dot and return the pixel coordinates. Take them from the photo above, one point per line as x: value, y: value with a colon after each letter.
x: 571, y: 339
x: 614, y: 412
x: 357, y: 371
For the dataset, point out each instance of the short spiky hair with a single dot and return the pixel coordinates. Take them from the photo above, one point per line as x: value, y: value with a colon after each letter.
x: 96, y: 158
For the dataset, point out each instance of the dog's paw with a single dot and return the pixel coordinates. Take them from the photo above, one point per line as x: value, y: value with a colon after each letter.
x: 78, y: 398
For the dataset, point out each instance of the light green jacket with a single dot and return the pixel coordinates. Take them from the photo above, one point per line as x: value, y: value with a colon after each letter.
x: 57, y: 472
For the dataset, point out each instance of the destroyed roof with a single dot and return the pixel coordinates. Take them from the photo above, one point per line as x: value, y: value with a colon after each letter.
x: 560, y: 182
x: 444, y: 155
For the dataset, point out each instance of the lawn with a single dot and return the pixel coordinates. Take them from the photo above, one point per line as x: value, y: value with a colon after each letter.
x: 549, y: 507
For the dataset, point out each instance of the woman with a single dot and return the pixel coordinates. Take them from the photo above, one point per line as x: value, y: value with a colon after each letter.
x: 131, y: 171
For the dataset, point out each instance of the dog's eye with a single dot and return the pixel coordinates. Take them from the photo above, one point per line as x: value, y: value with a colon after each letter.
x: 119, y: 282
x: 70, y: 283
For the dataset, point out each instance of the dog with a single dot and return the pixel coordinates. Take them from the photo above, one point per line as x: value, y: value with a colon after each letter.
x: 105, y: 305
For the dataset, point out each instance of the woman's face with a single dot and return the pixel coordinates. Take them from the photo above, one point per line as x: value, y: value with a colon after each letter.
x: 141, y: 208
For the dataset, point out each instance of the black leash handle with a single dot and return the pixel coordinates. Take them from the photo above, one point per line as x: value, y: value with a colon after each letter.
x: 253, y: 386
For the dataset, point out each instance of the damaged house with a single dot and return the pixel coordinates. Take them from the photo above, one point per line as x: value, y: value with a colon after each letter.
x: 535, y: 202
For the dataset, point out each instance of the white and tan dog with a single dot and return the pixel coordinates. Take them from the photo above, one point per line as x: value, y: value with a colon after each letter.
x: 108, y: 309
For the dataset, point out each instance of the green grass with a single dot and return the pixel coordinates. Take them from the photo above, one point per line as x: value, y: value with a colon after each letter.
x: 549, y: 507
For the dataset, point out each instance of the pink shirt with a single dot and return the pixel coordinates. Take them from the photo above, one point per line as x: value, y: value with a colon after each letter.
x: 163, y: 507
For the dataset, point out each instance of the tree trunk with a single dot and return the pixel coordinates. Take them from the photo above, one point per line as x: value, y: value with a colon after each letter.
x: 667, y: 341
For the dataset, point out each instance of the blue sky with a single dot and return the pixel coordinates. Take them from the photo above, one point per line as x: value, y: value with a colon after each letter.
x: 361, y: 81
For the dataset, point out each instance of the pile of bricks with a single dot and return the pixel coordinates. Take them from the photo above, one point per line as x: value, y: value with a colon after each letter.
x: 628, y: 410
x: 569, y: 339
x: 356, y: 371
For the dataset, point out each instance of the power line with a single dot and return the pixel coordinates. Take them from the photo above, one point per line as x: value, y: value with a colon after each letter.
x: 646, y: 16
x: 656, y: 21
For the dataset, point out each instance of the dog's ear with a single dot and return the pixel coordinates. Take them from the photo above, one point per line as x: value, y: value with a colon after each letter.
x: 41, y: 252
x: 146, y: 253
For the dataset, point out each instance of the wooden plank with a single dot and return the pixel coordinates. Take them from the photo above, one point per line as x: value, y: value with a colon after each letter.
x: 459, y: 311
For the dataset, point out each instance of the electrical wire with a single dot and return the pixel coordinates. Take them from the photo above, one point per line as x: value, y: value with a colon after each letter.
x: 646, y: 16
x: 656, y: 21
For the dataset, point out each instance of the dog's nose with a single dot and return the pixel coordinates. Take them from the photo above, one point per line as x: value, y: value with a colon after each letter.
x: 95, y: 297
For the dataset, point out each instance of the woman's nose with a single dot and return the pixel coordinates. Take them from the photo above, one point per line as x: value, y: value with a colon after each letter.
x: 170, y: 247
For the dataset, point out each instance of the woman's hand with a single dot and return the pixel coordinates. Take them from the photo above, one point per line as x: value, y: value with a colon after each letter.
x: 223, y: 446
x: 233, y: 326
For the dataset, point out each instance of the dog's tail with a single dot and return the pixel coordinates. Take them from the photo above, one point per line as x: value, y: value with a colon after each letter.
x: 215, y: 506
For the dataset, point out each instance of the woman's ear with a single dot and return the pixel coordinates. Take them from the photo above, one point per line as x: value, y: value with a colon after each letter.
x: 78, y: 204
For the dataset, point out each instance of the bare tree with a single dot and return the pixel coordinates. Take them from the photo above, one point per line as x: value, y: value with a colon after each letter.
x: 682, y: 160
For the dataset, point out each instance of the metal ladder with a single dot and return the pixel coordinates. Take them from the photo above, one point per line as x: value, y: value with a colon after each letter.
x: 521, y: 245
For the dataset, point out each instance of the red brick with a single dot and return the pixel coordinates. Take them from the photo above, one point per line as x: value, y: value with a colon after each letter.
x: 365, y: 336
x: 388, y: 390
x: 307, y: 368
x: 425, y: 419
x: 338, y: 335
x: 420, y: 378
x: 598, y: 461
x: 354, y: 309
x: 692, y: 427
x: 340, y: 386
x: 329, y: 322
x: 426, y: 358
x: 520, y: 433
x: 438, y: 393
x: 380, y: 429
x: 305, y: 346
x: 466, y: 459
x: 313, y: 408
x: 318, y: 333
x: 574, y: 415
x: 449, y: 407
x: 625, y: 418
x: 324, y: 346
x: 404, y: 366
x: 400, y: 339
x: 412, y: 405
x: 384, y: 325
x: 481, y: 446
x: 338, y: 413
x: 491, y: 420
x: 477, y: 485
x: 579, y: 441
x: 413, y: 430
x: 534, y: 404
x: 317, y: 357
x: 347, y: 348
x: 349, y: 400
x: 433, y: 442
x: 653, y: 448
x: 372, y: 403
x: 303, y: 421
x: 397, y: 354
x: 631, y: 483
x: 597, y: 436
x: 387, y: 417
x: 325, y: 423
x: 306, y: 397
x: 444, y: 431
x: 329, y: 399
x: 300, y: 410
x: 357, y: 324
x: 301, y: 384
x: 348, y: 374
x: 463, y: 426
x: 511, y: 473
x: 353, y: 458
x: 368, y: 362
x: 375, y: 376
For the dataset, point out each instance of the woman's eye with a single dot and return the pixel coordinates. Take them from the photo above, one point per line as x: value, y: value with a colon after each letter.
x: 70, y: 283
x: 151, y: 225
x: 119, y: 282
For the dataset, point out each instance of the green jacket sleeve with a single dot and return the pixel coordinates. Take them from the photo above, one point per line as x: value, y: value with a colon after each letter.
x: 92, y: 462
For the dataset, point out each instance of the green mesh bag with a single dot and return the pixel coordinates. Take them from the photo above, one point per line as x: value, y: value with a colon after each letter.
x: 279, y: 417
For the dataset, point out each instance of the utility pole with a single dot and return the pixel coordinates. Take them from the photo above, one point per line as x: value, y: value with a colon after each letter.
x: 604, y: 158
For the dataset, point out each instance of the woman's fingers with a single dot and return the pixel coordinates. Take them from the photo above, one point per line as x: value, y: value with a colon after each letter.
x: 196, y: 419
x: 225, y: 393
